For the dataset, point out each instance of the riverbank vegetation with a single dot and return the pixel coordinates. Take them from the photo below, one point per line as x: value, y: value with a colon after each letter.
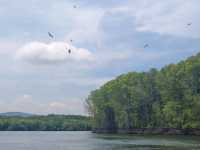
x: 165, y: 98
x: 45, y: 123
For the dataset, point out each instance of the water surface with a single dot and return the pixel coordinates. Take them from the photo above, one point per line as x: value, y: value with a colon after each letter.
x: 89, y: 141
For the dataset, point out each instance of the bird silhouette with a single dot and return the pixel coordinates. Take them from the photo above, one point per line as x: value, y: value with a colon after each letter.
x: 189, y: 24
x: 50, y: 35
x: 69, y: 51
x: 146, y: 45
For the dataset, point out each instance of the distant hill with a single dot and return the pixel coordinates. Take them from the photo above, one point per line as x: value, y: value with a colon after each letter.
x: 18, y: 114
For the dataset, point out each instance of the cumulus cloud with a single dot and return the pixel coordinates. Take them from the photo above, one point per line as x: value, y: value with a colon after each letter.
x: 115, y: 31
x: 51, y: 53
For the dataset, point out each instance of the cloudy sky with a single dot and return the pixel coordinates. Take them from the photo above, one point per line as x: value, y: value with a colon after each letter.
x: 37, y: 75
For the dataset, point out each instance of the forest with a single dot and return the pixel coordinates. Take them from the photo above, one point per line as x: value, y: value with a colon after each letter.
x: 45, y: 123
x: 164, y: 98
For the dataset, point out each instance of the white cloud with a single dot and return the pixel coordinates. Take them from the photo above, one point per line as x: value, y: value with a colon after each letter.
x: 70, y: 106
x: 32, y: 105
x: 26, y: 96
x: 85, y: 24
x: 93, y: 82
x: 62, y: 88
x: 50, y: 53
x: 164, y: 17
x: 169, y: 17
x: 7, y: 47
x: 57, y: 105
x: 135, y: 54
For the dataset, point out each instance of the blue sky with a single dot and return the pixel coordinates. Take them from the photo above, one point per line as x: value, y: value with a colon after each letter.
x: 38, y: 76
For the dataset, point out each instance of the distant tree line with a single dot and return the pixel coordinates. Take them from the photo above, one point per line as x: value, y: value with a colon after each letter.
x: 45, y: 123
x: 165, y: 98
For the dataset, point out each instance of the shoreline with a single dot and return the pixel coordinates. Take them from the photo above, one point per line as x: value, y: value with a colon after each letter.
x: 152, y: 131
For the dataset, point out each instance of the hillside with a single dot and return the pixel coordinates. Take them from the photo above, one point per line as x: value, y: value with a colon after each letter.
x: 19, y: 114
x: 166, y: 98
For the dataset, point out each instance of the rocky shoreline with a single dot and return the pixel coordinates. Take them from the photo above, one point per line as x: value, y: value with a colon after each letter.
x: 154, y: 131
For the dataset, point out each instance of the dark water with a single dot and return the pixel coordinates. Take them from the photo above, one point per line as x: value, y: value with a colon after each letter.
x: 89, y: 141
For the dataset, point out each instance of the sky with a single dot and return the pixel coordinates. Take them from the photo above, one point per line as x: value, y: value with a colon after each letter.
x: 38, y: 75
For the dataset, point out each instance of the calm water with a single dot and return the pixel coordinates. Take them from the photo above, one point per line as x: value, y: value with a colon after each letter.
x: 89, y: 141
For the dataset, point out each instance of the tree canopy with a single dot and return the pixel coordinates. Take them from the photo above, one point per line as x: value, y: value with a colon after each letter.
x: 45, y: 123
x: 169, y: 97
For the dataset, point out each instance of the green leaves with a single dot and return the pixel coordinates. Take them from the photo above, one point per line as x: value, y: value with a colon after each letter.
x: 166, y: 98
x: 45, y: 123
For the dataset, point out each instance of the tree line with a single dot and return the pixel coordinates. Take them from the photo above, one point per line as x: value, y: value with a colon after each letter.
x: 165, y: 98
x: 45, y: 123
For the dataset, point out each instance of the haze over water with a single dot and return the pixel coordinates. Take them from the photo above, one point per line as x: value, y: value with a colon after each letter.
x: 89, y: 141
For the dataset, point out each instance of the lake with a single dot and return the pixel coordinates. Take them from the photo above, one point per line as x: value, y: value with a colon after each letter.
x: 90, y: 141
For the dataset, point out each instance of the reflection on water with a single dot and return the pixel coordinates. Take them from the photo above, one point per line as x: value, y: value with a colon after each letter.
x: 89, y: 141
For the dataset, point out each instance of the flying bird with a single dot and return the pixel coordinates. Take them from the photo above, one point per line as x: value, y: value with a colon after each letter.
x: 69, y: 51
x: 146, y: 45
x: 50, y: 35
x: 189, y: 24
x: 75, y: 6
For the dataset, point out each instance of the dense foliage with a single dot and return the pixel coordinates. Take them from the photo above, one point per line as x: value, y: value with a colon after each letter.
x: 45, y: 123
x: 169, y: 98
